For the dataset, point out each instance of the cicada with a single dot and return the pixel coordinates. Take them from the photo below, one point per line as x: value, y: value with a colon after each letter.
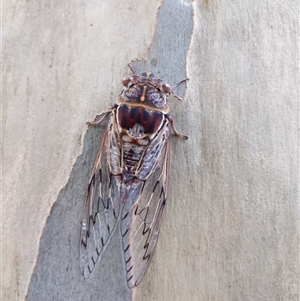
x: 128, y: 184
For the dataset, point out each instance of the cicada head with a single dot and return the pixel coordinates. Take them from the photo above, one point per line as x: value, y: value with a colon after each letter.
x: 146, y: 89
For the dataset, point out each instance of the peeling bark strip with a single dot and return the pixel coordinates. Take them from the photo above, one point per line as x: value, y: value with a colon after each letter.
x: 129, y: 178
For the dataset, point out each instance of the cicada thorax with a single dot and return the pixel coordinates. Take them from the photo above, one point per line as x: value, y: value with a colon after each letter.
x: 138, y: 122
x: 141, y: 108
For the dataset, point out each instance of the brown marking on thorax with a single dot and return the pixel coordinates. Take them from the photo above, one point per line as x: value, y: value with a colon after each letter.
x: 150, y: 120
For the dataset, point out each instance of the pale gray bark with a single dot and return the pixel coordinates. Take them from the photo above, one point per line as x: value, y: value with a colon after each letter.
x: 231, y: 226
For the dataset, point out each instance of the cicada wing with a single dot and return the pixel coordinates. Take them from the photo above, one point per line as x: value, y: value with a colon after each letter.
x: 141, y: 217
x: 101, y: 210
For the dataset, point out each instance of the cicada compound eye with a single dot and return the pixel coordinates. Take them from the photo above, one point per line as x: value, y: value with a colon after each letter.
x: 126, y: 81
x: 166, y: 87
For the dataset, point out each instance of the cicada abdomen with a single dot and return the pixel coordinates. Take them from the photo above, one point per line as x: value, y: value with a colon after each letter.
x: 129, y: 178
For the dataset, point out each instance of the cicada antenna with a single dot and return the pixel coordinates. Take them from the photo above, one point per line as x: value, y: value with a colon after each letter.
x: 172, y: 90
x: 182, y: 81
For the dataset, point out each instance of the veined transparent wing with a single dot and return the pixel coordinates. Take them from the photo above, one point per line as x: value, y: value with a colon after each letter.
x: 102, y: 207
x: 141, y: 217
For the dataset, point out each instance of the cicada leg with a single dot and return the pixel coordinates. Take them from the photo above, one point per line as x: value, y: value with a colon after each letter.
x: 169, y: 117
x: 102, y: 119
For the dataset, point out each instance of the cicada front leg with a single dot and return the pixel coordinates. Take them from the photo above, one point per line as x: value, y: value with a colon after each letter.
x: 103, y: 116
